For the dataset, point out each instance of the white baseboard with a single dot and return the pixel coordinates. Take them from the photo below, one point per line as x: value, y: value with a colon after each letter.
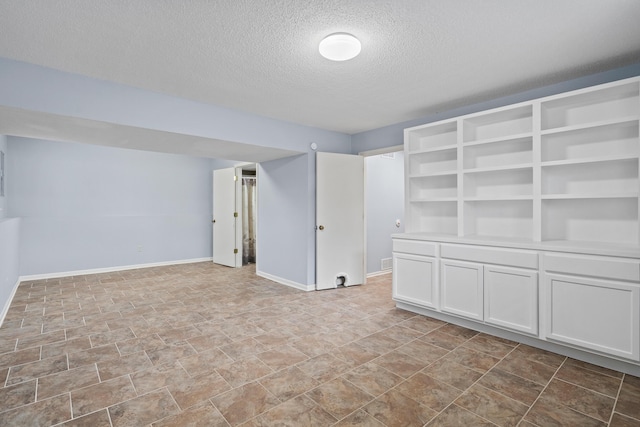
x: 110, y: 269
x: 8, y: 302
x: 286, y: 282
x: 379, y: 273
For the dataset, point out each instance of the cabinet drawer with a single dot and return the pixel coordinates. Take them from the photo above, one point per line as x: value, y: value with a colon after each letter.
x: 610, y: 268
x: 416, y: 247
x: 500, y: 256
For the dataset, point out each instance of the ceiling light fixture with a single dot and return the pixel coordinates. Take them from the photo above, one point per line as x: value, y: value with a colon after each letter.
x: 340, y: 47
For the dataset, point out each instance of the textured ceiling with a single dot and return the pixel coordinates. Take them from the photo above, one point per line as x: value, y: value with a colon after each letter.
x: 418, y: 57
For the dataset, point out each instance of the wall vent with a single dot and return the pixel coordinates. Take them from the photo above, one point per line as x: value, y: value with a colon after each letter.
x: 386, y: 264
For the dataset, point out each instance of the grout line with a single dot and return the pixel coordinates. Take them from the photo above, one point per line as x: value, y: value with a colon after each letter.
x: 615, y: 402
x: 545, y: 388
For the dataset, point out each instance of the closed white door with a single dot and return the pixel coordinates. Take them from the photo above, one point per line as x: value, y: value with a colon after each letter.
x: 340, y: 245
x: 227, y: 226
x: 415, y: 280
x: 462, y: 289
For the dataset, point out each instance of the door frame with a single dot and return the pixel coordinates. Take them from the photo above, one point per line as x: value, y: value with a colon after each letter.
x: 238, y: 168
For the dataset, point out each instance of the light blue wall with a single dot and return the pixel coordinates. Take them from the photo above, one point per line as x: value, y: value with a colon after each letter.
x: 392, y: 135
x: 384, y: 204
x: 283, y: 219
x: 41, y: 89
x: 35, y: 88
x: 9, y: 260
x: 9, y: 242
x: 84, y: 206
x: 3, y: 200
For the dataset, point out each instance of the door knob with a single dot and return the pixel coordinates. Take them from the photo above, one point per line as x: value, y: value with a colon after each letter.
x: 321, y: 227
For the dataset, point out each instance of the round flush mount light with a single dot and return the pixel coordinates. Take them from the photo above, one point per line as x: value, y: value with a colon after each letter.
x: 340, y: 47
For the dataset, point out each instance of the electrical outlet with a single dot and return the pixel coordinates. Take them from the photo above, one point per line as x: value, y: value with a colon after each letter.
x: 139, y: 248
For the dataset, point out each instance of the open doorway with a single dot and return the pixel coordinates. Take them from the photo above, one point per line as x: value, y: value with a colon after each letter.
x: 249, y: 209
x: 384, y: 206
x: 235, y: 215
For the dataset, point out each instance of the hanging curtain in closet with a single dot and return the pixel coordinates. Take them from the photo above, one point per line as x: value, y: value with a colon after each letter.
x: 249, y: 200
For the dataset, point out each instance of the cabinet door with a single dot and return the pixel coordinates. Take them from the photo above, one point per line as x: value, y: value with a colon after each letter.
x: 462, y: 289
x: 594, y: 314
x: 414, y: 279
x: 511, y: 298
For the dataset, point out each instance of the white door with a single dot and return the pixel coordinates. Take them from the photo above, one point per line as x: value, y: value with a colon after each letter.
x: 227, y: 225
x: 340, y: 244
x: 462, y: 289
x: 415, y: 280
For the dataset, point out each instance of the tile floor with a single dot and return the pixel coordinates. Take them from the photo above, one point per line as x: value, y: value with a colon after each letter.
x: 202, y: 345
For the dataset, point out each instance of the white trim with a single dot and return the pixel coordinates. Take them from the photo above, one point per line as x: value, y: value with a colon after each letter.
x: 286, y: 282
x: 8, y: 302
x: 110, y: 269
x: 385, y: 150
x: 379, y: 273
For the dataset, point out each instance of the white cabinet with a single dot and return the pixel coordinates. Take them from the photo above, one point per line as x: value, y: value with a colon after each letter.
x: 415, y: 279
x: 532, y: 212
x: 601, y: 315
x: 462, y: 288
x: 511, y: 298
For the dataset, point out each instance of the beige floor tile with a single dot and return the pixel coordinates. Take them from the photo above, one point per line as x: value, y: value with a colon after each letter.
x: 359, y: 419
x: 282, y: 357
x: 524, y: 367
x: 454, y: 415
x: 102, y: 395
x: 592, y: 380
x: 143, y: 410
x: 201, y: 415
x: 395, y: 409
x: 629, y: 399
x: 581, y: 399
x: 354, y: 354
x: 324, y: 367
x: 93, y: 355
x: 492, y: 406
x: 429, y: 391
x: 515, y: 387
x: 547, y: 412
x: 20, y: 373
x: 372, y: 378
x: 157, y: 377
x: 619, y: 420
x: 124, y: 365
x: 452, y: 373
x: 170, y: 340
x: 245, y: 402
x: 19, y: 357
x: 400, y: 363
x: 205, y: 362
x: 17, y: 395
x: 244, y: 371
x: 190, y: 391
x: 476, y: 360
x: 95, y: 419
x: 339, y: 397
x: 423, y: 351
x: 288, y: 383
x: 42, y: 413
x: 66, y: 381
x: 297, y: 412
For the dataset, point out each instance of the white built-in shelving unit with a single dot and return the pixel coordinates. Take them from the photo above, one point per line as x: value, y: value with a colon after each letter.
x: 523, y: 221
x: 559, y: 169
